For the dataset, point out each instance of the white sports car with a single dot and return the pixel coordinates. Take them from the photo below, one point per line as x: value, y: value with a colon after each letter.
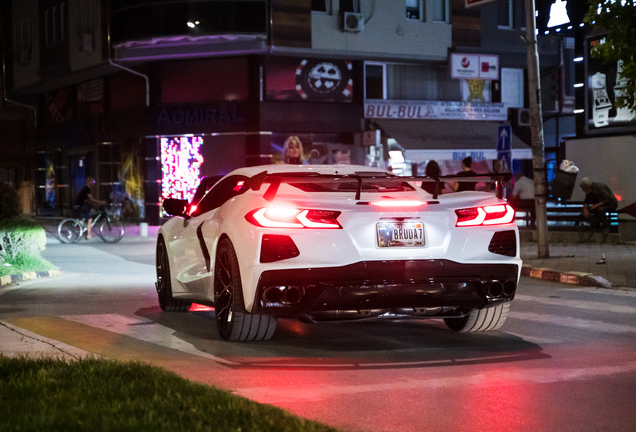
x: 338, y: 242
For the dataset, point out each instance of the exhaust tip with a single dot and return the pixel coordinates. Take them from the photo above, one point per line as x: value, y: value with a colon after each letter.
x: 273, y: 295
x: 510, y: 287
x: 495, y: 289
x: 292, y: 295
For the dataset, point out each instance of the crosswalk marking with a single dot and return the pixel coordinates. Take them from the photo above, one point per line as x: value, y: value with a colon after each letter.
x: 143, y: 329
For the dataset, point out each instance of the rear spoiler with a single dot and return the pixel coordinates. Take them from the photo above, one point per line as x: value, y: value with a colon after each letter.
x: 276, y: 179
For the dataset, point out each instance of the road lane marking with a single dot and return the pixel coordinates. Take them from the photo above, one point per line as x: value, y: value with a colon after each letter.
x: 579, y: 304
x: 114, y: 345
x: 143, y: 329
x: 597, y: 326
x: 495, y: 378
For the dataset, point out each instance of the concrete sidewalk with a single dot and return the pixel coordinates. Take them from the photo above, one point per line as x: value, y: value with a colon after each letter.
x: 589, y: 264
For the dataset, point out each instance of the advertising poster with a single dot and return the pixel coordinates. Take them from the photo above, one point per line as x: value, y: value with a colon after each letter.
x: 308, y: 80
x: 308, y: 149
x: 603, y: 87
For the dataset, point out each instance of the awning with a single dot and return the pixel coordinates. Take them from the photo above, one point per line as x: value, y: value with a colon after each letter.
x: 446, y: 134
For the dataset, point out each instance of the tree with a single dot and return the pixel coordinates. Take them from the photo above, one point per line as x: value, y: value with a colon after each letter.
x: 617, y: 18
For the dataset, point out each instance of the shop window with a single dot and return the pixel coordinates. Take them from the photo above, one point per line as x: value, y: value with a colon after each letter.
x: 440, y: 10
x: 323, y: 6
x: 413, y: 9
x: 204, y: 81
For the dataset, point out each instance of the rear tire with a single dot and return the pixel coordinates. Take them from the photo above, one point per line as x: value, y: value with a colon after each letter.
x: 480, y: 320
x: 164, y: 284
x: 111, y: 231
x: 233, y: 322
x: 69, y: 231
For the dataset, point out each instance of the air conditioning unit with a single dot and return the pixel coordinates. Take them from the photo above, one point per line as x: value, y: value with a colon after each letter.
x: 519, y: 116
x: 352, y: 22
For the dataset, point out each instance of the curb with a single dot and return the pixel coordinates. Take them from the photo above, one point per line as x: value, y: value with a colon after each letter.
x: 26, y: 276
x: 575, y: 278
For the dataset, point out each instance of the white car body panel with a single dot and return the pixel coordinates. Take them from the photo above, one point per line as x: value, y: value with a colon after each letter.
x: 192, y: 278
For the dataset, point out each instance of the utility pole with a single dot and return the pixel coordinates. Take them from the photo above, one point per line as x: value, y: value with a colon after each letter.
x: 536, y: 122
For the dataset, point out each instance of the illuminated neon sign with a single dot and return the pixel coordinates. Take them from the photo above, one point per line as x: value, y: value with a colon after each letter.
x: 180, y: 166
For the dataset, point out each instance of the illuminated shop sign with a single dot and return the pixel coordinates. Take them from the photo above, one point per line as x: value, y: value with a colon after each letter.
x: 308, y: 79
x: 604, y: 86
x: 180, y: 166
x: 560, y: 16
x: 431, y: 110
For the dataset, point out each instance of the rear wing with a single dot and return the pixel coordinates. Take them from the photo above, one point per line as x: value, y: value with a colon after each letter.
x: 276, y: 179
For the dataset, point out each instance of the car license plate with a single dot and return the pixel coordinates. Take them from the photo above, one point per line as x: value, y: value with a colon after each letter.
x: 405, y: 234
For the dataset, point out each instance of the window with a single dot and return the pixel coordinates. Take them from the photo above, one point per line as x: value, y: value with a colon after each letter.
x: 505, y: 15
x: 349, y: 6
x: 323, y: 6
x: 440, y: 10
x: 374, y: 83
x: 220, y: 194
x: 23, y: 42
x: 87, y: 16
x: 413, y: 9
x: 55, y: 24
x: 512, y: 87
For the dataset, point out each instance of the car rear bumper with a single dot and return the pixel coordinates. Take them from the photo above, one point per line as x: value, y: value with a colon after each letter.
x: 371, y: 289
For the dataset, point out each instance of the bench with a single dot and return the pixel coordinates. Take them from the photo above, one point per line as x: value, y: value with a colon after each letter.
x: 561, y: 216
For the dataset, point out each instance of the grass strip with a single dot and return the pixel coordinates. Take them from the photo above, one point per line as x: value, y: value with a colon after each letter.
x: 26, y: 264
x: 46, y: 394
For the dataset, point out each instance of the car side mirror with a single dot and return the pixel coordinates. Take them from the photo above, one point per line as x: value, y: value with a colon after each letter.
x: 176, y: 207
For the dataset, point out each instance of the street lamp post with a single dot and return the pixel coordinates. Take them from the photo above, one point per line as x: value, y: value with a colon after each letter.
x: 536, y: 122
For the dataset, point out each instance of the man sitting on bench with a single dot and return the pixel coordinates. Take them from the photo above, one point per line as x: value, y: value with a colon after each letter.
x: 599, y: 199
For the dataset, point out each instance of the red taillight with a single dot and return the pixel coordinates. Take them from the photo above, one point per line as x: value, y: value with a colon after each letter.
x: 398, y: 203
x: 287, y: 217
x: 488, y: 215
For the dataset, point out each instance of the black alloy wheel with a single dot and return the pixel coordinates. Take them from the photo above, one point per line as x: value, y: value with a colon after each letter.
x: 233, y: 321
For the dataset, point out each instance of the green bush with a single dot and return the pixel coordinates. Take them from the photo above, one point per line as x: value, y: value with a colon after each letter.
x: 20, y: 238
x: 9, y: 202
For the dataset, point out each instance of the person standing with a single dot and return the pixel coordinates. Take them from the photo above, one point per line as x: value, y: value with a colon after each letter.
x: 599, y: 199
x: 83, y: 203
x: 432, y: 171
x: 465, y: 172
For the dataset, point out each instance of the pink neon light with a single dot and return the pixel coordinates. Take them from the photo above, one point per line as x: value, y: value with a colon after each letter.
x: 180, y: 166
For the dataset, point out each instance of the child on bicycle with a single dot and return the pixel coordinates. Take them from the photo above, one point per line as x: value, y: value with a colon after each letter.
x: 83, y: 204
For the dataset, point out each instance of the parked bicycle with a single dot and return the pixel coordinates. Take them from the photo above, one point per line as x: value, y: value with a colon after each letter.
x: 110, y: 229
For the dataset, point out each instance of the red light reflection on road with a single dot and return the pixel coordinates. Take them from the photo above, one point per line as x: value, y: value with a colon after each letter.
x: 200, y: 308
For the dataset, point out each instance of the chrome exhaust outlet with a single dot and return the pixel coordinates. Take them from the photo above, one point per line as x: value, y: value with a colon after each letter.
x: 495, y: 289
x: 510, y: 287
x: 273, y: 294
x: 292, y: 295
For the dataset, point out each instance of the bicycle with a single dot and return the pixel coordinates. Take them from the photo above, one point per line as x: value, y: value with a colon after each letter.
x: 110, y: 229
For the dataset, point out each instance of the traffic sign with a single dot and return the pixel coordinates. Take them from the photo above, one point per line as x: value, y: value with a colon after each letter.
x: 504, y: 141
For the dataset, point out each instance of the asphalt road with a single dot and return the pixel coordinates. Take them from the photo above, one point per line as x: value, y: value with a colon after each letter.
x: 564, y: 361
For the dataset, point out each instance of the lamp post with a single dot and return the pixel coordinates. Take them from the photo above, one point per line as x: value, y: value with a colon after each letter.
x: 536, y: 123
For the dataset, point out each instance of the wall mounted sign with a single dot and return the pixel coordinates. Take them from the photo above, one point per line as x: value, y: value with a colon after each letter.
x: 479, y: 66
x: 431, y: 110
x: 308, y: 79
